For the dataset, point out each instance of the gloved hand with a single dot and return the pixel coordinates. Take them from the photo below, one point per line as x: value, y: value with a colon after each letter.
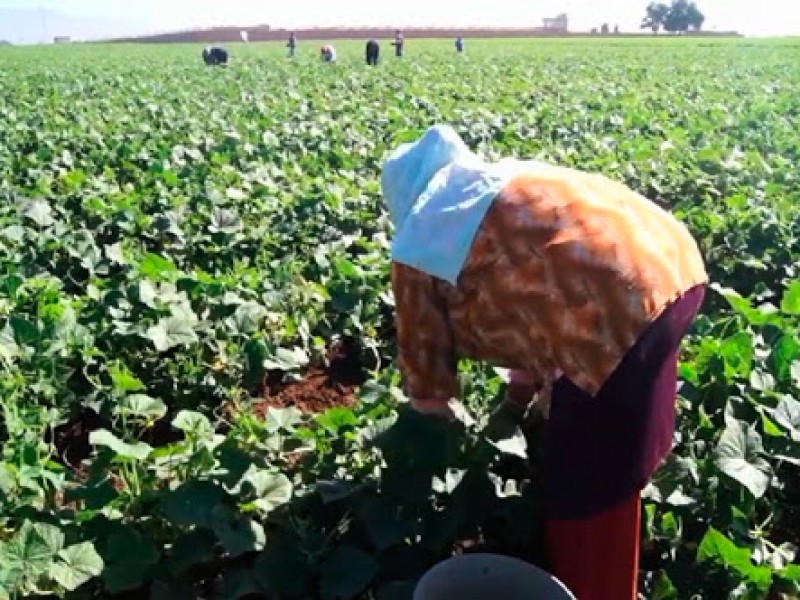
x: 524, y: 400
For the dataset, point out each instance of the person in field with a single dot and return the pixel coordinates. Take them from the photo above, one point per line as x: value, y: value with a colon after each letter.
x: 292, y: 44
x: 581, y: 287
x: 373, y: 52
x: 214, y: 56
x: 459, y: 44
x: 328, y: 53
x: 398, y: 43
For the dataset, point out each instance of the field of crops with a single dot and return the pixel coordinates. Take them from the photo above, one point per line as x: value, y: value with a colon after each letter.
x: 199, y: 397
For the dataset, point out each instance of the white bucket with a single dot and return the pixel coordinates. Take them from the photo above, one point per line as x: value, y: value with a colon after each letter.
x: 489, y: 577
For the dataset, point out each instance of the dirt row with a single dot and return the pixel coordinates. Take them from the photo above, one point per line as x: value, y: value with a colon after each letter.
x: 333, y: 383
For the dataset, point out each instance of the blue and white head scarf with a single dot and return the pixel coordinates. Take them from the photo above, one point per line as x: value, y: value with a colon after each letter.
x: 438, y: 192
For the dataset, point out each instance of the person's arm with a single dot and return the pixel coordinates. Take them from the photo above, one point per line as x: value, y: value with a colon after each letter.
x: 425, y: 343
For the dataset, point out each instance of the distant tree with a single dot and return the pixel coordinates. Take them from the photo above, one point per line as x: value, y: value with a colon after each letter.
x: 656, y: 16
x: 604, y: 29
x: 679, y: 17
x: 695, y: 17
x: 616, y: 28
x: 594, y: 30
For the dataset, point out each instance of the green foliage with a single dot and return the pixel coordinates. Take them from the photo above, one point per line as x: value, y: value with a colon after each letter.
x: 678, y: 17
x: 170, y: 235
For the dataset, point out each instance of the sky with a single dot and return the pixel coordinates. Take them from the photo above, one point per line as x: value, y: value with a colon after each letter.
x: 100, y: 18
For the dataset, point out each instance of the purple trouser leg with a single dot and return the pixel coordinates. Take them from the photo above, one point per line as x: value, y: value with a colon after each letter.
x: 598, y: 452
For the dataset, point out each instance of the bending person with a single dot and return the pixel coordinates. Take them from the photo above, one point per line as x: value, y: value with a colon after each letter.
x: 584, y: 289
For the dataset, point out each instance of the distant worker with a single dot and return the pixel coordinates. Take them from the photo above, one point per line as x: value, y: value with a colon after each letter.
x: 214, y: 55
x: 292, y: 45
x: 328, y: 53
x: 373, y: 52
x: 398, y: 44
x: 459, y: 44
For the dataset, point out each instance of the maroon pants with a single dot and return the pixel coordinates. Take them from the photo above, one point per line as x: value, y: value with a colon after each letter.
x: 598, y: 454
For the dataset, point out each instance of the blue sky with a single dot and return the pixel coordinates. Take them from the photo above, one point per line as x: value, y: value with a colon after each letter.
x: 97, y: 18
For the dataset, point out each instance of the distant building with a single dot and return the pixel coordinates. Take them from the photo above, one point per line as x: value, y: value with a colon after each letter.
x: 559, y: 23
x: 61, y: 39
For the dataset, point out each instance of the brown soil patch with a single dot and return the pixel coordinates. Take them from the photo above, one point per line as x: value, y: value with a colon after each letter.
x: 71, y: 439
x: 321, y: 388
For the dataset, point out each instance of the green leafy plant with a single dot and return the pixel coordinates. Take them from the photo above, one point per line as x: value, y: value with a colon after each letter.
x: 178, y: 245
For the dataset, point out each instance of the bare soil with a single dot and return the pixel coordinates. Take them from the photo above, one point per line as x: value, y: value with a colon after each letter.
x: 322, y: 387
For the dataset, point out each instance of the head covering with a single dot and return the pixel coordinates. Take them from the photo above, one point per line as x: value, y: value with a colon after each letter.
x: 438, y: 192
x: 410, y: 168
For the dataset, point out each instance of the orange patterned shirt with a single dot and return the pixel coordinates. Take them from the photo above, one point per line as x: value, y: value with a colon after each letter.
x: 566, y: 271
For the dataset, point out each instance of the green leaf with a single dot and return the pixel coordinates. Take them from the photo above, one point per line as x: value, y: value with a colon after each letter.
x: 192, y: 503
x: 25, y: 332
x: 738, y: 456
x: 737, y: 352
x: 337, y: 418
x: 240, y: 535
x: 283, y: 418
x: 785, y: 352
x: 754, y: 316
x: 96, y: 493
x: 451, y: 481
x: 192, y: 549
x: 790, y: 573
x: 147, y: 293
x: 141, y: 406
x: 515, y: 445
x: 795, y: 373
x: 235, y: 194
x: 248, y: 317
x: 129, y: 560
x: 271, y: 490
x: 375, y: 429
x: 348, y: 269
x: 790, y: 303
x: 371, y: 392
x: 239, y: 583
x: 39, y: 212
x: 114, y: 254
x: 336, y: 489
x: 384, y: 523
x: 8, y: 346
x: 717, y: 548
x: 283, y: 569
x: 193, y: 423
x: 156, y: 267
x: 52, y: 536
x: 123, y: 380
x: 171, y: 332
x: 171, y: 588
x: 76, y: 565
x: 787, y: 414
x: 287, y: 360
x: 135, y: 451
x: 663, y: 588
x: 29, y: 554
x: 225, y: 220
x: 761, y: 380
x: 346, y: 574
x: 14, y: 233
x: 770, y: 428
